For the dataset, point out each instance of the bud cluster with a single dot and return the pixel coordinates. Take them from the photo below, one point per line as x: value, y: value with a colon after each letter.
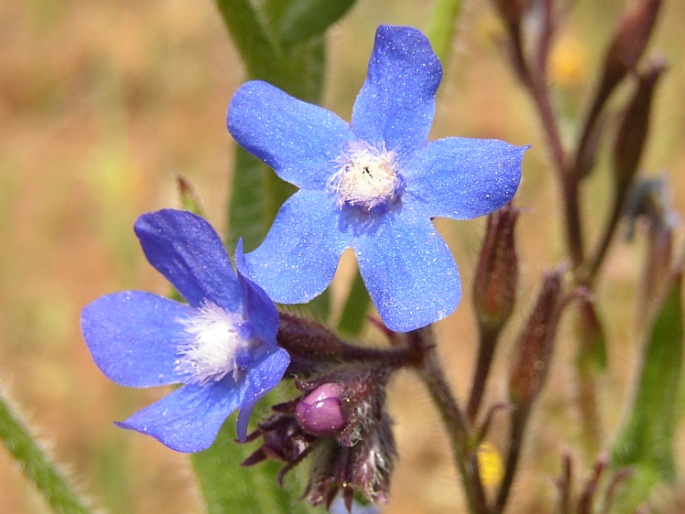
x: 339, y: 419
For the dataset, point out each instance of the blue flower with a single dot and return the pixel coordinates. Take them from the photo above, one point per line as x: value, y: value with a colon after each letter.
x: 373, y: 185
x: 221, y: 346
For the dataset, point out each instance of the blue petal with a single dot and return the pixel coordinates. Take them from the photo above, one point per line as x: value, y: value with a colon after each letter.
x: 188, y: 252
x: 260, y: 379
x: 463, y: 178
x: 300, y: 141
x: 409, y: 271
x: 133, y: 337
x: 189, y: 418
x: 300, y: 254
x: 397, y: 102
x: 258, y: 307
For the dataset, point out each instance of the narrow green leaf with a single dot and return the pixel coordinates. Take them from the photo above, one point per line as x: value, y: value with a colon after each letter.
x: 441, y: 27
x: 190, y: 200
x: 259, y: 51
x: 646, y: 439
x: 36, y: 465
x: 230, y: 488
x: 354, y: 313
x: 305, y: 19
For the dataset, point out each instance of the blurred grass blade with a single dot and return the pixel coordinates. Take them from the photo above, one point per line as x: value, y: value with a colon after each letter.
x: 441, y: 27
x: 190, y: 200
x: 35, y: 463
x: 304, y: 19
x: 354, y: 313
x: 229, y: 488
x: 646, y: 440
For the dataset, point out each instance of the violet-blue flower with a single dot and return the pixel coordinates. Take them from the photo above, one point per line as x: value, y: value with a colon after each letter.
x: 221, y: 346
x: 374, y: 185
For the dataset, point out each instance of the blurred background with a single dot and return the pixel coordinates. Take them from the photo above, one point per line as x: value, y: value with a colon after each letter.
x: 104, y: 104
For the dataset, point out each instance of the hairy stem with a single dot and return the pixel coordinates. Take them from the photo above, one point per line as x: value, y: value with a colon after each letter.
x: 433, y: 376
x: 486, y: 352
x: 566, y: 175
x: 519, y: 420
x: 533, y: 78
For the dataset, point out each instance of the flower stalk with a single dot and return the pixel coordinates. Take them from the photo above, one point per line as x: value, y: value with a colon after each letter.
x: 529, y: 372
x: 456, y: 424
x: 494, y: 295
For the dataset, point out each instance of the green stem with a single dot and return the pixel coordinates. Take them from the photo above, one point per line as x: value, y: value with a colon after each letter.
x: 441, y: 27
x: 36, y: 465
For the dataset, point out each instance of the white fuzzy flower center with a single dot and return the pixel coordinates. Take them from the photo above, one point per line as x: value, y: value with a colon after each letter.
x: 215, y: 345
x: 367, y: 177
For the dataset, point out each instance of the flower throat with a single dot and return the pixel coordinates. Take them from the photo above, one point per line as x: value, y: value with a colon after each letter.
x: 367, y: 177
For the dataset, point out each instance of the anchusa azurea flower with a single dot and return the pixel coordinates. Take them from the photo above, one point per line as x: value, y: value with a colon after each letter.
x: 221, y: 346
x: 373, y: 185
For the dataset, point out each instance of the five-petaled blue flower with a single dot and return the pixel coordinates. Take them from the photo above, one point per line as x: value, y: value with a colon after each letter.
x: 373, y: 185
x: 221, y: 345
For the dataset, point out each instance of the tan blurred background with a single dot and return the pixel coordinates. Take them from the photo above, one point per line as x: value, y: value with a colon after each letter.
x: 104, y: 104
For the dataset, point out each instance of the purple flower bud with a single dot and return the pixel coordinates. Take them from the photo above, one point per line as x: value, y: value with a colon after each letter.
x: 533, y: 356
x: 496, y: 278
x: 623, y: 54
x: 634, y: 127
x: 320, y: 412
x: 630, y: 39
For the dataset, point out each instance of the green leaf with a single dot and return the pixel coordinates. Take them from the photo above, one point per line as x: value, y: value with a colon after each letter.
x: 259, y: 51
x: 36, y: 465
x: 298, y: 71
x: 307, y: 66
x: 274, y: 11
x: 304, y: 19
x: 354, y: 313
x: 247, y: 216
x: 229, y: 488
x: 646, y: 440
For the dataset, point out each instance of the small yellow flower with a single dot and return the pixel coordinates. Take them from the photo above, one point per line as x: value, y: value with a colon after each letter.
x: 489, y: 464
x: 568, y: 62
